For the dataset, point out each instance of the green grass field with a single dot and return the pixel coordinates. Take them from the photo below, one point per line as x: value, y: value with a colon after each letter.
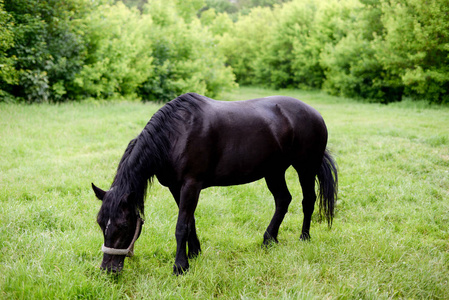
x: 390, y: 237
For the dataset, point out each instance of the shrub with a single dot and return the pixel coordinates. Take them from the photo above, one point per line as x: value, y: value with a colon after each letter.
x: 8, y: 75
x: 119, y: 52
x: 245, y: 43
x: 416, y: 48
x: 185, y: 57
x: 47, y: 49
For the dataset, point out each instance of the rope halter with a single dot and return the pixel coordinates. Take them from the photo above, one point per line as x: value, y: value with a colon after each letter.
x: 129, y: 252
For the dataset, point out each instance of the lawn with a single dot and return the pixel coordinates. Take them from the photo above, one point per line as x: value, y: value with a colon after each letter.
x: 390, y: 237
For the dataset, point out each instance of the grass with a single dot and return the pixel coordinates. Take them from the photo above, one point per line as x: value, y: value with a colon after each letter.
x: 390, y: 237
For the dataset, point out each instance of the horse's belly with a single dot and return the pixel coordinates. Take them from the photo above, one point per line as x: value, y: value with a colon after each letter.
x: 236, y: 178
x: 245, y: 168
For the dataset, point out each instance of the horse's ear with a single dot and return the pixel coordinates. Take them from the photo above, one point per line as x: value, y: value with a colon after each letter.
x: 98, y: 192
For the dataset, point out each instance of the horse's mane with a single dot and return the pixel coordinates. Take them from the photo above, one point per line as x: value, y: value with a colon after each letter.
x: 148, y: 152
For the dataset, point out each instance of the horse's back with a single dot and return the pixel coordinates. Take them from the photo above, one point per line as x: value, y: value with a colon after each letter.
x: 289, y: 121
x: 226, y: 143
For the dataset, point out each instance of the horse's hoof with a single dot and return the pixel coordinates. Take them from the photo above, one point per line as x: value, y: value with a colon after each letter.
x: 194, y: 251
x: 193, y: 254
x: 268, y: 240
x: 305, y: 237
x: 179, y: 270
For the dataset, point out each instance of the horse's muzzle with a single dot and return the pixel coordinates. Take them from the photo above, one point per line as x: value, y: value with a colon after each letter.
x: 113, y: 263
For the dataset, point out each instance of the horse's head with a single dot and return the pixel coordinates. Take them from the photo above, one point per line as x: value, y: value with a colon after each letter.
x: 121, y: 225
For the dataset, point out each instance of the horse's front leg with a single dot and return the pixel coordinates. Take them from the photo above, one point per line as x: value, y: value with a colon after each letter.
x: 187, y: 205
x: 193, y: 242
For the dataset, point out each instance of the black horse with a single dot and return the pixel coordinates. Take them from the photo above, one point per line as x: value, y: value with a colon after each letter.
x: 194, y: 142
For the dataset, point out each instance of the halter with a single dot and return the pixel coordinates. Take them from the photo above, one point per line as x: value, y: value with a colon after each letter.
x: 130, y: 250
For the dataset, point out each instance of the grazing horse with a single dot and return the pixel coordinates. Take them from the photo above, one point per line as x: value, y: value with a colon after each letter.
x: 194, y: 142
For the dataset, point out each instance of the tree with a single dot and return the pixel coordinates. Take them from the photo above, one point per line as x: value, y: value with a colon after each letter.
x: 351, y: 65
x: 119, y: 53
x: 45, y: 66
x: 244, y: 43
x: 416, y: 46
x: 8, y: 75
x: 185, y: 56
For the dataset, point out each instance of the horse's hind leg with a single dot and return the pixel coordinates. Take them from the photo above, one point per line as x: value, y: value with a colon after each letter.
x: 308, y: 203
x: 282, y: 198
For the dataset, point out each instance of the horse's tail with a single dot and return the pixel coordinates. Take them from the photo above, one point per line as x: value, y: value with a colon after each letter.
x: 328, y: 187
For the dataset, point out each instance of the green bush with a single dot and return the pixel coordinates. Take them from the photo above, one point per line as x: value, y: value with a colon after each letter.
x: 350, y: 62
x: 185, y: 57
x: 375, y: 49
x: 119, y: 53
x: 244, y: 45
x: 62, y: 50
x: 274, y: 67
x: 8, y: 74
x: 416, y: 46
x: 47, y: 49
x: 380, y: 50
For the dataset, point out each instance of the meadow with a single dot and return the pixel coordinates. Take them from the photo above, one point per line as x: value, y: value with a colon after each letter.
x: 390, y: 237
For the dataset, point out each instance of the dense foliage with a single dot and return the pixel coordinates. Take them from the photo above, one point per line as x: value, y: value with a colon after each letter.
x: 58, y: 50
x: 154, y: 50
x: 375, y: 49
